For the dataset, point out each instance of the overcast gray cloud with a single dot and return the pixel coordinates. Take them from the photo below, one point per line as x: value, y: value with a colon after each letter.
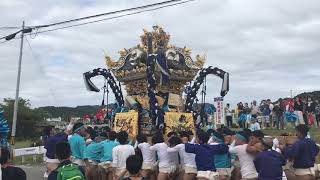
x: 267, y: 46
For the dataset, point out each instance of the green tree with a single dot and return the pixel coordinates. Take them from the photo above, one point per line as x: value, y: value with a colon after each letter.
x: 27, y: 120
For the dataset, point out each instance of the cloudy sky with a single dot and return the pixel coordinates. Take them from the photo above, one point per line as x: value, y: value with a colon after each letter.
x: 267, y: 46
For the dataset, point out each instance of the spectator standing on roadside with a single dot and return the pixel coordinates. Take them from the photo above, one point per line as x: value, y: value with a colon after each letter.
x: 310, y: 110
x: 298, y: 109
x: 254, y: 109
x: 278, y: 115
x: 247, y: 111
x: 317, y: 112
x: 240, y: 110
x: 265, y: 113
x: 228, y: 115
x: 304, y: 111
x: 271, y: 106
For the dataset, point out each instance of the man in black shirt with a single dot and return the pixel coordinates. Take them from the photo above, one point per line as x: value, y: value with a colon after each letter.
x: 278, y: 115
x: 10, y: 172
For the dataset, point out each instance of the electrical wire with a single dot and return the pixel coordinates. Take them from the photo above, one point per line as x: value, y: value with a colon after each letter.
x: 105, y: 19
x: 5, y: 28
x: 11, y: 34
x: 115, y: 17
x: 108, y: 13
x: 34, y: 35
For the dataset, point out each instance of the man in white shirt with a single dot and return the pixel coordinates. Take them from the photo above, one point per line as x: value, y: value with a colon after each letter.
x: 168, y: 161
x: 148, y: 155
x: 247, y: 168
x: 254, y: 109
x: 188, y: 159
x: 120, y: 154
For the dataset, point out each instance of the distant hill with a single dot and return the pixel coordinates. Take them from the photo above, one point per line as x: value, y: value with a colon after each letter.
x: 66, y: 112
x: 313, y: 95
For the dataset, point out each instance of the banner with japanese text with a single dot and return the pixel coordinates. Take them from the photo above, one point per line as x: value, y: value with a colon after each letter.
x: 219, y: 115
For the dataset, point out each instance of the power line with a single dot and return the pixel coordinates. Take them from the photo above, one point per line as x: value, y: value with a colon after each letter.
x: 108, y: 13
x: 12, y: 36
x: 115, y: 17
x: 103, y: 14
x: 10, y: 27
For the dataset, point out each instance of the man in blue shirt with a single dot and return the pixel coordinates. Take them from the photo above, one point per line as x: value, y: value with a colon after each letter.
x: 51, y: 161
x: 106, y: 160
x: 269, y: 163
x: 303, y: 154
x: 78, y: 144
x: 50, y: 141
x: 203, y: 151
x: 93, y: 154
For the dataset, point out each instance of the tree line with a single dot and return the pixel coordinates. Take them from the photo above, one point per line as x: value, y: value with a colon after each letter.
x: 30, y: 119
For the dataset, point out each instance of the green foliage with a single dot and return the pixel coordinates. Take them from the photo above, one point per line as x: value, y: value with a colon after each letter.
x: 67, y: 112
x: 27, y: 117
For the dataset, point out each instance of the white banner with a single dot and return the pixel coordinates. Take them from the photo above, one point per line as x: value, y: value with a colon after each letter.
x: 28, y: 151
x: 219, y: 115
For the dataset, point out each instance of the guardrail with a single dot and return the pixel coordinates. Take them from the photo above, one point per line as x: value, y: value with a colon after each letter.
x: 34, y: 151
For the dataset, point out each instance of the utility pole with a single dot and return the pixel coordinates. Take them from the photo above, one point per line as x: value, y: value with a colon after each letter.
x: 291, y: 93
x: 16, y: 102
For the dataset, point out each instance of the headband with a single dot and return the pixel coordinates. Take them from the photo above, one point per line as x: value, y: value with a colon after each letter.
x: 78, y: 129
x: 217, y: 139
x: 242, y: 138
x: 100, y: 137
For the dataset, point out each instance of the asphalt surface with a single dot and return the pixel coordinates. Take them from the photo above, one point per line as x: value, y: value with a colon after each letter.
x: 34, y: 172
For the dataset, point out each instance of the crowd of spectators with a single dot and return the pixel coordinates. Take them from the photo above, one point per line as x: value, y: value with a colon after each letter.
x: 277, y: 114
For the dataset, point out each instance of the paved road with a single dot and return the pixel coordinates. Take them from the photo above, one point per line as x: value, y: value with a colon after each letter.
x: 34, y: 172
